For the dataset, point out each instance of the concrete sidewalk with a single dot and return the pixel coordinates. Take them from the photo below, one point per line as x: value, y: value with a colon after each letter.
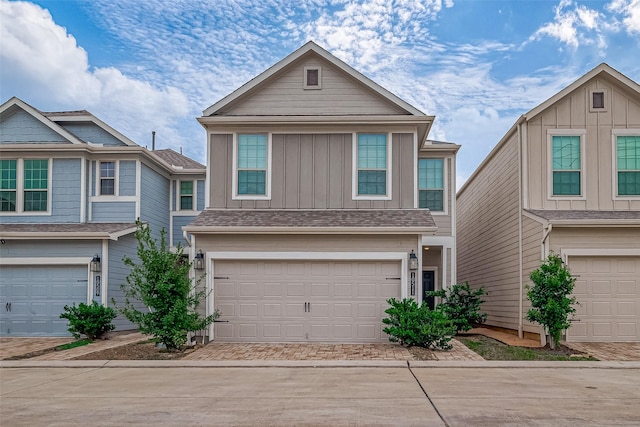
x: 384, y: 393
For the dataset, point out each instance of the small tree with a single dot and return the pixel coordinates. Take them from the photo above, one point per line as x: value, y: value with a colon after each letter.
x: 550, y: 296
x: 161, y: 283
x: 461, y: 304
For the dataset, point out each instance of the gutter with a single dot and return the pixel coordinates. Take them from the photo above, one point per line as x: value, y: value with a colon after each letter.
x: 306, y: 230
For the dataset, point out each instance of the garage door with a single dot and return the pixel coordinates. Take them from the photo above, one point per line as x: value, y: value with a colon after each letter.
x: 32, y: 298
x: 298, y: 301
x: 608, y: 289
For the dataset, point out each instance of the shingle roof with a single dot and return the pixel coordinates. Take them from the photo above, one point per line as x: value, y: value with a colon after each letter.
x: 176, y: 159
x: 339, y: 219
x: 60, y: 230
x: 586, y: 216
x: 66, y: 113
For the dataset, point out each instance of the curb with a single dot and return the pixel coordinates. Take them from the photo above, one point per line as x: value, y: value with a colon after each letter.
x: 311, y: 364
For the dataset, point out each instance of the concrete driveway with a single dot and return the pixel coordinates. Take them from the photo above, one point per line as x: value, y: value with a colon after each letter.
x: 382, y: 393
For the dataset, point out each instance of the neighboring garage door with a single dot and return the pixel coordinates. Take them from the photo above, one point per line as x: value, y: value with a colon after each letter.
x: 608, y: 290
x: 303, y: 301
x: 32, y: 298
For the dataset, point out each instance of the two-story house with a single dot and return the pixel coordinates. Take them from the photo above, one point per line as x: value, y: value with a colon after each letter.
x: 324, y: 198
x: 564, y: 179
x: 71, y: 189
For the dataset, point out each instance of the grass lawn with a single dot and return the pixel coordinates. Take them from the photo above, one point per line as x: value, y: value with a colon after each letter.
x: 492, y: 349
x: 74, y: 344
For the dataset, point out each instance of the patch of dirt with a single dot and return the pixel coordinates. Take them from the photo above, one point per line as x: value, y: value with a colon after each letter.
x: 421, y: 353
x: 492, y: 349
x: 146, y: 350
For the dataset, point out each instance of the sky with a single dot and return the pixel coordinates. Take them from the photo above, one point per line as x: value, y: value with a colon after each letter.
x: 155, y: 65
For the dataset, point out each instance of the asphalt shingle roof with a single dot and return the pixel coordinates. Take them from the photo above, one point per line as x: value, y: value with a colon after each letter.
x: 176, y: 159
x: 106, y: 227
x: 578, y: 215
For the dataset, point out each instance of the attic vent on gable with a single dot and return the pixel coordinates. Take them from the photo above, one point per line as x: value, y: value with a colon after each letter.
x: 312, y: 78
x: 598, y: 100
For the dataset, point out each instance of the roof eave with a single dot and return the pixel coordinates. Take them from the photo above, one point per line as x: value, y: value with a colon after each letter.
x: 308, y: 230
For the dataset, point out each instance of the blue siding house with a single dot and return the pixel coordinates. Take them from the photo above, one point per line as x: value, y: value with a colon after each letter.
x: 71, y: 189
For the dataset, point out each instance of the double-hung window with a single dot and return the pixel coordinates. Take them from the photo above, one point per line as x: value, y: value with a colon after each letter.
x: 628, y: 164
x: 372, y: 164
x: 8, y: 185
x: 186, y: 195
x: 431, y: 184
x: 24, y: 185
x: 107, y: 178
x: 566, y: 165
x: 252, y: 166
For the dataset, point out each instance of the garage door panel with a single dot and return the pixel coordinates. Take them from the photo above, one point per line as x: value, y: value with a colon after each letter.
x: 608, y: 289
x: 342, y: 308
x: 248, y: 290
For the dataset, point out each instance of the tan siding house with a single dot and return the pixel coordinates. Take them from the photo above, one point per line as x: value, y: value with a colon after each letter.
x: 324, y: 198
x: 565, y: 179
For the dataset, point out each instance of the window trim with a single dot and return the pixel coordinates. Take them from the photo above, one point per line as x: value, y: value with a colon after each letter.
x: 193, y: 195
x: 354, y: 168
x: 582, y: 133
x: 305, y: 84
x: 605, y: 94
x: 234, y: 177
x: 20, y: 188
x: 614, y: 162
x: 445, y: 185
x: 116, y: 181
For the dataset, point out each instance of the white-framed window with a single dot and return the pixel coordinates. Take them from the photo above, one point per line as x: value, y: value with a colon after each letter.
x: 107, y: 178
x: 431, y: 188
x: 566, y: 163
x: 186, y: 196
x: 312, y: 78
x: 252, y: 166
x: 372, y: 166
x: 626, y: 157
x: 24, y: 186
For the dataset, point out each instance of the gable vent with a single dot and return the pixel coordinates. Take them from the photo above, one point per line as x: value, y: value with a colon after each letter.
x: 312, y: 78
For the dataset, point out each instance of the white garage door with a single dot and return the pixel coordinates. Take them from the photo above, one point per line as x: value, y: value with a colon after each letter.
x: 608, y: 289
x: 302, y: 301
x: 32, y: 298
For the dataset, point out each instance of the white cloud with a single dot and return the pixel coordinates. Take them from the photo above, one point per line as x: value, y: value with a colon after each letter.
x: 631, y: 11
x: 46, y: 67
x: 574, y: 25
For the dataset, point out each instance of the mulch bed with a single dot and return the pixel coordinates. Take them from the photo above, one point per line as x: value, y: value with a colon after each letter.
x: 146, y: 350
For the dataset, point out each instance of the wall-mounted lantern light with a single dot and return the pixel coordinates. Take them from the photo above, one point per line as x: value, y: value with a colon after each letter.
x: 95, y: 264
x: 413, y: 261
x: 198, y: 260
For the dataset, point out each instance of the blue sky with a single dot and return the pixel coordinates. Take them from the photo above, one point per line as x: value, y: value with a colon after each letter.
x: 156, y: 64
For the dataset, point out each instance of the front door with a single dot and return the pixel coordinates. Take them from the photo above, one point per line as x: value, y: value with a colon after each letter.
x: 428, y: 284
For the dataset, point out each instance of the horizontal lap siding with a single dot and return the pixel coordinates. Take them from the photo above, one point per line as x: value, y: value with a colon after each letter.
x: 487, y: 235
x: 178, y: 223
x: 113, y: 211
x: 594, y: 238
x: 118, y: 272
x: 532, y: 233
x: 90, y: 132
x: 154, y: 200
x: 23, y: 127
x: 127, y: 178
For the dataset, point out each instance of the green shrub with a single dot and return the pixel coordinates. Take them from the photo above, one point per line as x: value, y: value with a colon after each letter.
x: 550, y: 297
x: 93, y: 320
x: 161, y: 283
x: 462, y: 305
x: 415, y: 325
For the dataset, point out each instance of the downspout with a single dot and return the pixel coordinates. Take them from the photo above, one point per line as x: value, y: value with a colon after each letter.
x: 520, y: 248
x: 545, y: 243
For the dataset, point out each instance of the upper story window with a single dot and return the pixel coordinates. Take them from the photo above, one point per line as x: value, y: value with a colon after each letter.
x: 252, y: 174
x: 312, y: 78
x: 628, y: 164
x: 24, y: 185
x: 186, y: 195
x: 566, y: 165
x: 107, y: 178
x: 372, y: 165
x: 431, y: 184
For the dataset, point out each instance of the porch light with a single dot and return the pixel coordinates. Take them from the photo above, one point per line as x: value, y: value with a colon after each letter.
x: 198, y: 260
x: 413, y: 261
x: 94, y: 265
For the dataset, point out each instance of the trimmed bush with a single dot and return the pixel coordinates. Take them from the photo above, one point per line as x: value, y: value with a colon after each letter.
x: 415, y: 325
x: 93, y: 320
x: 462, y: 305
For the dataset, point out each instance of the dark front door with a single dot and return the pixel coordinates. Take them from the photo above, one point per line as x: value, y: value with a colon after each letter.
x: 428, y: 284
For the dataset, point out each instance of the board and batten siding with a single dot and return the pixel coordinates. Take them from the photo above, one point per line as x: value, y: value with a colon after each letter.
x: 118, y: 272
x: 339, y: 95
x: 154, y: 200
x: 573, y: 112
x: 487, y: 235
x: 312, y: 171
x: 65, y: 189
x: 23, y: 127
